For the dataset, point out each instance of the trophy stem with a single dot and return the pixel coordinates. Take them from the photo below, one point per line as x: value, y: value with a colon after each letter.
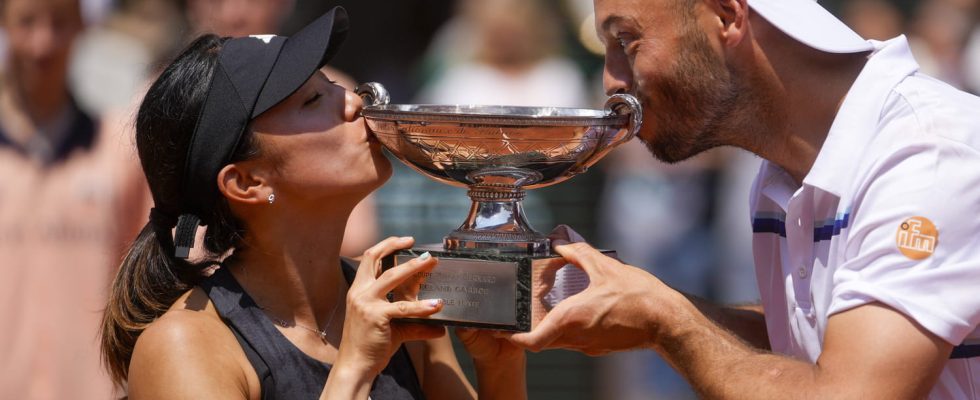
x: 496, y: 220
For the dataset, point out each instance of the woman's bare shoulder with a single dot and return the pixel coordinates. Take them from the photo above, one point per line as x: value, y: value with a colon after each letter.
x: 190, y: 351
x: 191, y: 321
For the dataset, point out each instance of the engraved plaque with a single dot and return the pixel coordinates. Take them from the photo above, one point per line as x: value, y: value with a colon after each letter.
x: 475, y: 291
x: 487, y: 289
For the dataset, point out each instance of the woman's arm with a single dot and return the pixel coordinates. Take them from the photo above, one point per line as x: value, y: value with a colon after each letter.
x: 439, y: 371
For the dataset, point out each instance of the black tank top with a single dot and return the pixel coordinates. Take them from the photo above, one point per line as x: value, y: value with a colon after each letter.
x: 284, y: 371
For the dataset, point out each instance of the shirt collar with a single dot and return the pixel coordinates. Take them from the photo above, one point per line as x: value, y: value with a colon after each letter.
x: 856, y: 121
x: 776, y: 184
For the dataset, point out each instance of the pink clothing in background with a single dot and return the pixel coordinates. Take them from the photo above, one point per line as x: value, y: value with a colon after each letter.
x: 63, y: 228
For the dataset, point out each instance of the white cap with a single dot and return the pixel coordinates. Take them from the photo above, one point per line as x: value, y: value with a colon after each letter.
x: 811, y: 24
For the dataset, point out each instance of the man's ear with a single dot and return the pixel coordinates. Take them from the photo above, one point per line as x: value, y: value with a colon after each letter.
x: 734, y: 17
x: 240, y: 184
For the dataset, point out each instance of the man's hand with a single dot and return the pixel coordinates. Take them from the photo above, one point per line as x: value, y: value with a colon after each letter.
x: 869, y: 351
x: 620, y: 310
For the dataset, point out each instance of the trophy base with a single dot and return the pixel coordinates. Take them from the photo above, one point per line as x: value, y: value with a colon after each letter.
x: 489, y: 289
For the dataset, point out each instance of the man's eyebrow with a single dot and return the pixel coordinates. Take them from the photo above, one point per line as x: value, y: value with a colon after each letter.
x: 612, y: 20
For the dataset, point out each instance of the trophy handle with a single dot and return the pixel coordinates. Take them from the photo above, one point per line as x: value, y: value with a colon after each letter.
x: 618, y: 104
x: 625, y: 104
x: 373, y: 93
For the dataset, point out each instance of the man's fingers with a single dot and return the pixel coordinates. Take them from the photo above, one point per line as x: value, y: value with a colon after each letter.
x: 370, y: 267
x: 397, y: 275
x: 582, y: 255
x: 413, y: 309
x: 541, y: 337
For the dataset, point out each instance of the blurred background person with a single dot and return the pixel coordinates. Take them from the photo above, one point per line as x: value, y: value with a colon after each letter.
x: 137, y: 36
x: 70, y: 200
x: 939, y: 31
x: 873, y: 19
x: 944, y: 34
x: 504, y: 52
x: 971, y: 56
x: 237, y: 17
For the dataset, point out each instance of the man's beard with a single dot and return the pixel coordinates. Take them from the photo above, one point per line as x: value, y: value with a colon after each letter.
x: 699, y: 95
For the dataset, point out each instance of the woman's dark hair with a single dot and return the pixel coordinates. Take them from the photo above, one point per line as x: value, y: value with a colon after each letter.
x: 151, y: 278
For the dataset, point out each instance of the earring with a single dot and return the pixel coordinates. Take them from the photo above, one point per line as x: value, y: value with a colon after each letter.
x: 272, y: 198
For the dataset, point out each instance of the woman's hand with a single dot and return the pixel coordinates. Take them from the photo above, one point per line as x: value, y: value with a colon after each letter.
x: 486, y: 348
x: 370, y: 338
x: 500, y: 364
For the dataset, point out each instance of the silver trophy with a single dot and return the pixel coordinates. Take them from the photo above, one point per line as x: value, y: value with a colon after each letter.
x: 494, y: 271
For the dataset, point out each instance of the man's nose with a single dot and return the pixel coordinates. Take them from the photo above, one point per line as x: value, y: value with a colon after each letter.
x: 617, y: 77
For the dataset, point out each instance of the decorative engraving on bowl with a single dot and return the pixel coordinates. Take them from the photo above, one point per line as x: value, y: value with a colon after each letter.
x: 449, y: 153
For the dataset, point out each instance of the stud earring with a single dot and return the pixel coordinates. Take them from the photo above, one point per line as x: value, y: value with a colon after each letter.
x: 272, y: 198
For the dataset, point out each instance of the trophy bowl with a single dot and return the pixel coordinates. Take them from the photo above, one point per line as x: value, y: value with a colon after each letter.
x: 497, y: 152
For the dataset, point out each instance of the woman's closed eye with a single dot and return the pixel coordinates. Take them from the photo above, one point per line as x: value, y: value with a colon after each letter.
x: 312, y: 99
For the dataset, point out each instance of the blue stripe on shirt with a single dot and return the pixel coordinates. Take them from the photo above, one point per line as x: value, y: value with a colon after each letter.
x: 777, y: 225
x: 965, y: 351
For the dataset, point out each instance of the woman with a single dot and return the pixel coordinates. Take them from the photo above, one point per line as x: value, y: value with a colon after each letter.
x: 272, y: 156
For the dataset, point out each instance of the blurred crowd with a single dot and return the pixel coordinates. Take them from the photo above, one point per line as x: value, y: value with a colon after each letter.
x: 72, y: 73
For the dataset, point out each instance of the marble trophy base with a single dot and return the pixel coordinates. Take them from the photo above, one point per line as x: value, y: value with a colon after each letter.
x: 489, y: 289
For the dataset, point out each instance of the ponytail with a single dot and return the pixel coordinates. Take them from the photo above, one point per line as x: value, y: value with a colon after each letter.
x: 149, y: 281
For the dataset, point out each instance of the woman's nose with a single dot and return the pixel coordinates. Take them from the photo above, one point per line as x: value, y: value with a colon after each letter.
x: 353, y: 106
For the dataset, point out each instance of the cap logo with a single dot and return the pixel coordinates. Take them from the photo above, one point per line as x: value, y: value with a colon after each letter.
x: 264, y: 38
x: 917, y: 238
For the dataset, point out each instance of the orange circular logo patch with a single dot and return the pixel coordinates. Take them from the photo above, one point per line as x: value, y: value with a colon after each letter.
x: 917, y: 238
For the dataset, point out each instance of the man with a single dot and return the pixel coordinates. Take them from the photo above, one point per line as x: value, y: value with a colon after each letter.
x: 866, y: 236
x: 71, y: 196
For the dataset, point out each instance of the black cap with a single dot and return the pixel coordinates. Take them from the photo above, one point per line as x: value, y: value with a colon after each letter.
x: 253, y: 74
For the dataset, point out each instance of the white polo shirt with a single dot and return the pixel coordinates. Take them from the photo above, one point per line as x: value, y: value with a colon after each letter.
x: 890, y: 213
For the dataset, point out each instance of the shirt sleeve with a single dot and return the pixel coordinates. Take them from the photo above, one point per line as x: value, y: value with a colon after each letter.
x: 893, y: 256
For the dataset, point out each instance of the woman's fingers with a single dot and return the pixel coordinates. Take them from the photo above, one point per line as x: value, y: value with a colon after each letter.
x: 370, y: 262
x: 408, y: 332
x: 398, y: 275
x: 413, y: 309
x: 467, y: 336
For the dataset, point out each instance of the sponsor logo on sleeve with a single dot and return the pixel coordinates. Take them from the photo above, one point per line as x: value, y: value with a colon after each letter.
x: 917, y: 238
